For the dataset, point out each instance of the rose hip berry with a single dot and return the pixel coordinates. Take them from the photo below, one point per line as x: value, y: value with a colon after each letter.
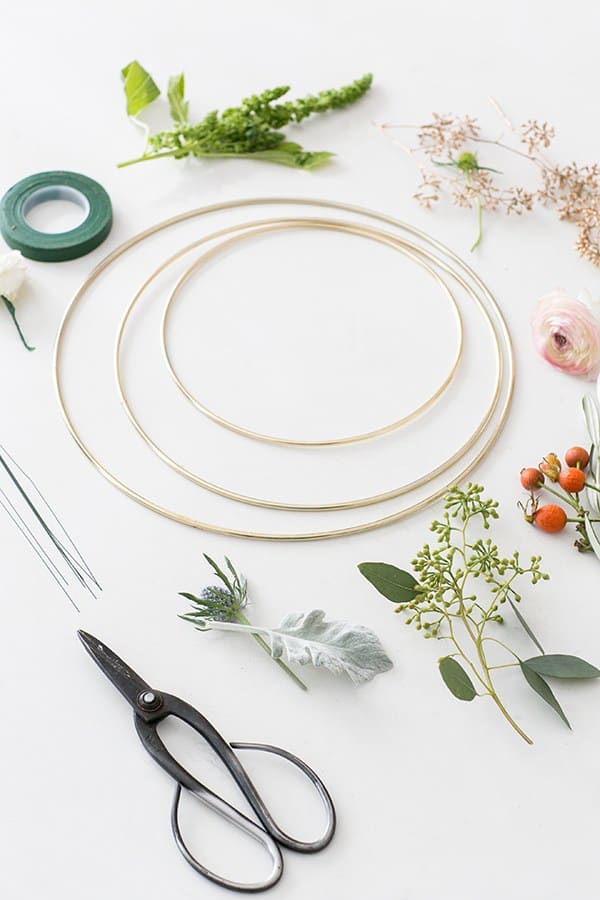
x: 550, y: 466
x: 550, y: 518
x: 577, y: 456
x: 531, y: 479
x: 572, y: 480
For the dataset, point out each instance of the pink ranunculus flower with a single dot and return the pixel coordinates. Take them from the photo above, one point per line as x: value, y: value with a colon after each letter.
x: 566, y: 333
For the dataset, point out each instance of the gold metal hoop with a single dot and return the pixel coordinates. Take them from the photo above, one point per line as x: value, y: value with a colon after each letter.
x: 505, y: 374
x: 331, y: 225
x: 353, y: 503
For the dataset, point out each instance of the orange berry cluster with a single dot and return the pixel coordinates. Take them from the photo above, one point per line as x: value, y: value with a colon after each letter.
x: 551, y: 517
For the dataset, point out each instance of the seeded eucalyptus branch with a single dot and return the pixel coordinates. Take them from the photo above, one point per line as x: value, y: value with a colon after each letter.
x: 441, y: 602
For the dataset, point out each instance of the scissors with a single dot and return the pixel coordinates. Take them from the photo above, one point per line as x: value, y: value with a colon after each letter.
x: 150, y: 708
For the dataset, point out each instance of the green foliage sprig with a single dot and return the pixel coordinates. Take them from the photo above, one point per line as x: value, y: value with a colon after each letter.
x: 226, y: 604
x: 442, y: 603
x: 250, y: 130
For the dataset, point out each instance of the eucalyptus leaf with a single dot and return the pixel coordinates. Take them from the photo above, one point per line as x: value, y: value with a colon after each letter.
x: 395, y: 584
x: 309, y: 639
x: 140, y: 89
x: 561, y: 665
x: 542, y: 688
x: 525, y: 626
x: 456, y: 679
x: 176, y: 97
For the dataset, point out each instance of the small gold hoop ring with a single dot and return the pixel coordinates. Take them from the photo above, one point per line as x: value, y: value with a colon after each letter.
x: 332, y: 225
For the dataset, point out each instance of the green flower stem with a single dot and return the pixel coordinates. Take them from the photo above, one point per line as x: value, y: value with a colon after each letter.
x: 479, y: 211
x: 581, y: 519
x: 566, y: 498
x: 262, y: 643
x: 11, y: 309
x: 512, y: 652
x: 476, y: 637
x: 194, y: 149
x: 495, y: 696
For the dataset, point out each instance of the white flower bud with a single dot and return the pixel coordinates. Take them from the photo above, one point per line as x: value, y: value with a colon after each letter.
x: 12, y: 274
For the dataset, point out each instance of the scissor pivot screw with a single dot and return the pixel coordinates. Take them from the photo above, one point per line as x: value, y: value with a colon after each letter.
x: 149, y: 700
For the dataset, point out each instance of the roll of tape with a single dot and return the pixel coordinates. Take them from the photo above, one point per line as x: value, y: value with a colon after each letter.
x: 22, y: 197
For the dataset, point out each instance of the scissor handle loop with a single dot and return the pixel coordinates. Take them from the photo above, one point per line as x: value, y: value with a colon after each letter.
x: 290, y: 842
x: 239, y: 820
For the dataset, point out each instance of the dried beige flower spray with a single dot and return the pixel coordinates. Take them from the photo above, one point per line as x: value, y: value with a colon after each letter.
x: 448, y: 151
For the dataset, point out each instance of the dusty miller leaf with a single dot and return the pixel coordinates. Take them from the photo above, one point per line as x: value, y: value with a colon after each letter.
x: 140, y: 89
x: 308, y: 638
x: 456, y: 679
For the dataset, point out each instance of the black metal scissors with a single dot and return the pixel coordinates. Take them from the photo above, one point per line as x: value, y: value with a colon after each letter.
x: 151, y: 707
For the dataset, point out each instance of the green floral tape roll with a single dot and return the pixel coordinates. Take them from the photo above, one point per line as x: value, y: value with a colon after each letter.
x: 22, y: 197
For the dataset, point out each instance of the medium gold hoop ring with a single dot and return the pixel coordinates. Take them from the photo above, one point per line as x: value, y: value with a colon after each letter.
x: 353, y: 503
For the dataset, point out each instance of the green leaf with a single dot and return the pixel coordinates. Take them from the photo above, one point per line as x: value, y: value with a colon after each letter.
x: 591, y: 534
x: 140, y: 89
x: 592, y: 421
x: 560, y: 665
x: 542, y: 688
x: 219, y: 573
x: 13, y: 314
x: 525, y: 626
x: 456, y: 679
x: 175, y: 94
x: 395, y: 584
x: 188, y: 596
x: 289, y: 154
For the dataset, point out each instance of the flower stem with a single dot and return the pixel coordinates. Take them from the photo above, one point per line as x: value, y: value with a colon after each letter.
x: 477, y: 241
x: 11, y: 309
x: 262, y: 643
x: 478, y: 640
x: 479, y: 211
x: 560, y: 496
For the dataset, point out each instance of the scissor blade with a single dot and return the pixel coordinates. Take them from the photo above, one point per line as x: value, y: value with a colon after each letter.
x: 122, y: 676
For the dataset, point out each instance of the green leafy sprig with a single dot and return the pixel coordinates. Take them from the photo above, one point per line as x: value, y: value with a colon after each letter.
x: 250, y: 130
x: 441, y: 602
x: 226, y: 604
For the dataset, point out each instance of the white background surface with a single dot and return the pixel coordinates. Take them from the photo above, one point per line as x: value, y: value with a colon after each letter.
x: 435, y: 798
